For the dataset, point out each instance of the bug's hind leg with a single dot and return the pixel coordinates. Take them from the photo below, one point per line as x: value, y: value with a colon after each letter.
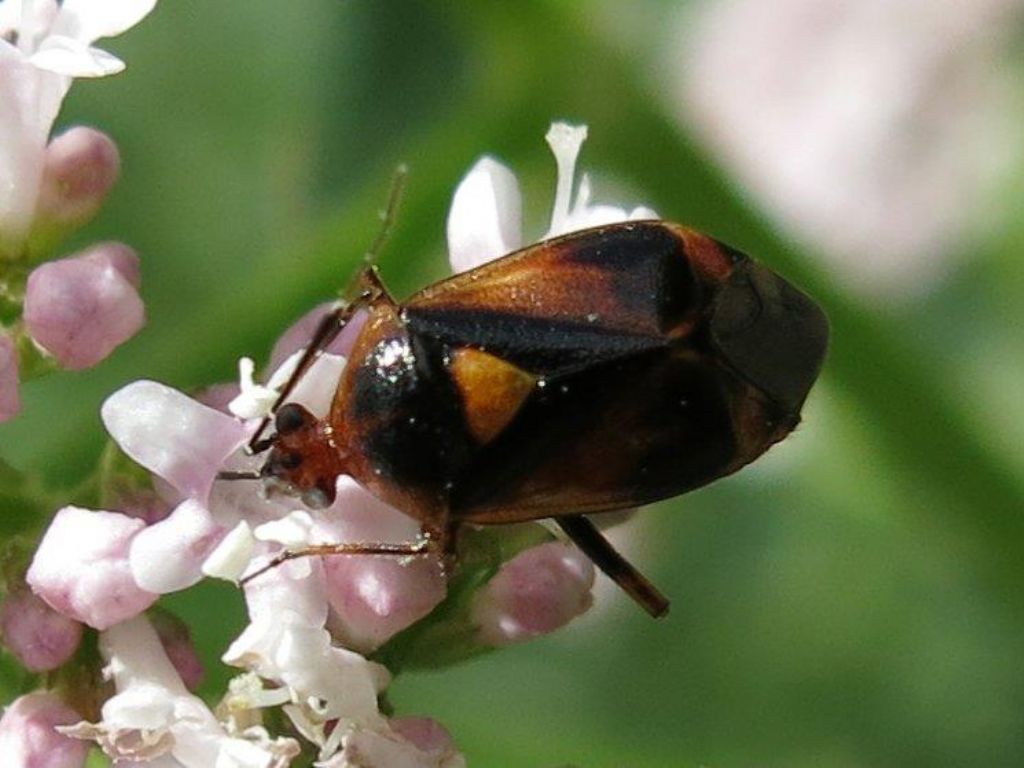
x: 588, y: 538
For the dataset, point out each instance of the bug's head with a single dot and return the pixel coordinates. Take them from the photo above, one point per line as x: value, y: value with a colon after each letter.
x: 301, y: 461
x: 770, y: 333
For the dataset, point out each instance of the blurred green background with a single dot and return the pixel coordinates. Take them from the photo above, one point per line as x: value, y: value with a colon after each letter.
x: 854, y: 599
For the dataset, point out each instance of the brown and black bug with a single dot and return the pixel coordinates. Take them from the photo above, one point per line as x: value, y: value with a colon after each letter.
x: 593, y: 372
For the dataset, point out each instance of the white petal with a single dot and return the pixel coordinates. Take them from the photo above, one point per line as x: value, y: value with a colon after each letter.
x: 143, y: 705
x: 172, y: 435
x: 10, y: 16
x: 231, y: 557
x: 30, y: 99
x: 584, y: 215
x: 32, y: 21
x: 135, y: 654
x: 295, y: 530
x: 565, y: 141
x: 253, y: 400
x: 168, y: 556
x: 315, y: 391
x: 281, y: 374
x: 72, y: 58
x: 89, y: 20
x: 597, y: 216
x: 284, y: 588
x: 642, y: 213
x: 485, y: 219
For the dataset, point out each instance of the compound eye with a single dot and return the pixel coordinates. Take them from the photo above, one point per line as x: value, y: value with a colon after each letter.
x: 289, y: 418
x: 316, y: 498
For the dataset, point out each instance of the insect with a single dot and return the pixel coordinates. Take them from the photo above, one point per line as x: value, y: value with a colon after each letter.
x: 597, y: 371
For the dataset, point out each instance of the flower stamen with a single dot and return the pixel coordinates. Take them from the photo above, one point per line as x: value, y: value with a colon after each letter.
x: 565, y: 141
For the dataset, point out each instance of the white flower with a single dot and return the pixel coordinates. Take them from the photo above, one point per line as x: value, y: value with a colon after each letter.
x: 154, y: 719
x: 315, y: 389
x: 485, y: 218
x: 332, y: 691
x: 43, y: 46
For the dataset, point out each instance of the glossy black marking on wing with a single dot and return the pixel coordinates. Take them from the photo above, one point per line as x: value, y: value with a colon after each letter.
x: 650, y: 274
x: 540, y: 346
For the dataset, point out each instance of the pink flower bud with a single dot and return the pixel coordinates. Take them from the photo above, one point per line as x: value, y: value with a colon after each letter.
x: 425, y: 733
x: 28, y: 735
x: 37, y: 635
x: 534, y: 593
x: 80, y: 309
x: 374, y: 598
x: 177, y: 642
x: 82, y: 568
x: 79, y: 168
x: 10, y: 402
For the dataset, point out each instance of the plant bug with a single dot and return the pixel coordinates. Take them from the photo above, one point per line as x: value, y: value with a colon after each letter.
x: 596, y: 371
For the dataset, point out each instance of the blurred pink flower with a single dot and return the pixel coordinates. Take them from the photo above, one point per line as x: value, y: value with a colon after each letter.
x: 80, y: 167
x: 423, y: 747
x: 874, y: 131
x: 536, y: 592
x: 425, y: 732
x: 39, y: 637
x: 10, y: 400
x: 28, y: 735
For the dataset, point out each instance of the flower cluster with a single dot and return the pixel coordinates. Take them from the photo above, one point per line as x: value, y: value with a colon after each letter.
x: 324, y: 635
x: 70, y: 312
